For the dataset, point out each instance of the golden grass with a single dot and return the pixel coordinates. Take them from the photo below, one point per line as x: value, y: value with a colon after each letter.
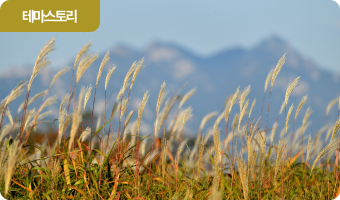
x: 122, y: 163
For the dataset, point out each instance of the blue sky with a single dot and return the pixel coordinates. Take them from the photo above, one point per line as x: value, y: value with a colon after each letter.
x: 205, y: 27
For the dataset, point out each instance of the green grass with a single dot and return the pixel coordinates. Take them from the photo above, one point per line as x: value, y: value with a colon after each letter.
x: 124, y: 164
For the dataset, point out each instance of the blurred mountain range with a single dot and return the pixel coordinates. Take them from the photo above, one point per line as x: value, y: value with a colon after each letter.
x: 215, y: 78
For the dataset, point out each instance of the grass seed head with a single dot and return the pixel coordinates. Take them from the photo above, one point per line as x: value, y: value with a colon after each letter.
x: 331, y: 104
x: 207, y: 118
x: 186, y: 97
x: 277, y: 70
x: 141, y: 108
x: 268, y: 79
x: 84, y: 63
x: 42, y: 60
x: 102, y: 64
x: 161, y: 92
x: 252, y: 107
x: 290, y: 89
x: 302, y: 102
x: 108, y: 75
x: 135, y: 73
x: 87, y: 95
x: 60, y: 73
x: 82, y: 51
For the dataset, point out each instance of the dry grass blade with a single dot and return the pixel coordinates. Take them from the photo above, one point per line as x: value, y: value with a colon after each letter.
x: 186, y: 97
x: 102, y: 64
x: 42, y: 60
x: 235, y: 122
x: 7, y: 129
x: 9, y: 115
x: 243, y: 97
x: 43, y: 115
x: 137, y: 70
x: 329, y: 148
x: 283, y: 105
x: 141, y: 108
x: 76, y: 118
x: 277, y: 70
x: 252, y: 106
x: 268, y: 79
x: 49, y: 101
x: 228, y: 100
x: 84, y: 63
x: 161, y: 92
x: 166, y: 110
x: 61, y: 120
x: 289, y: 113
x: 302, y: 102
x: 331, y: 104
x: 336, y: 127
x: 206, y: 119
x: 31, y: 100
x: 60, y: 73
x: 186, y: 116
x: 123, y: 107
x: 108, y: 75
x: 87, y: 95
x: 128, y: 75
x: 29, y: 115
x: 307, y: 114
x: 63, y: 102
x: 228, y: 108
x: 309, y: 147
x: 177, y: 123
x: 17, y: 91
x: 82, y: 51
x: 85, y: 134
x: 242, y: 114
x: 290, y: 89
x: 273, y: 133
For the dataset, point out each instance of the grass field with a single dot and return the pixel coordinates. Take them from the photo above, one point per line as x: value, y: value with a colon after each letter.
x: 110, y: 159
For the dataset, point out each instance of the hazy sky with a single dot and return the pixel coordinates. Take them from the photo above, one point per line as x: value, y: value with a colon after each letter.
x: 205, y: 27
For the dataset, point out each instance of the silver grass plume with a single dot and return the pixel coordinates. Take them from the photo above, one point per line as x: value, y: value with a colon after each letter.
x: 108, y: 75
x: 336, y: 127
x: 331, y: 104
x: 82, y: 51
x: 31, y: 100
x: 187, y: 96
x: 102, y: 64
x: 268, y: 79
x: 42, y: 60
x: 277, y: 70
x: 161, y: 92
x: 206, y: 119
x: 302, y: 102
x: 60, y: 73
x: 84, y: 63
x: 135, y: 73
x: 87, y: 95
x: 252, y: 106
x: 85, y: 134
x: 290, y: 88
x: 141, y: 108
x: 242, y: 114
